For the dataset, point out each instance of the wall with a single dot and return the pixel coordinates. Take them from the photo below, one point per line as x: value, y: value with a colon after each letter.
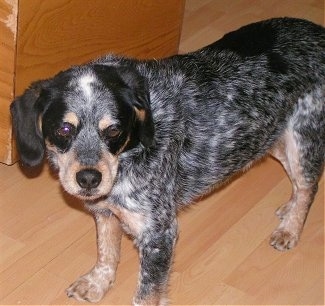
x: 8, y: 22
x: 55, y: 34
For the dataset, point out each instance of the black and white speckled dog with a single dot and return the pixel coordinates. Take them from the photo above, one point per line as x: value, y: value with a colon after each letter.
x: 137, y: 140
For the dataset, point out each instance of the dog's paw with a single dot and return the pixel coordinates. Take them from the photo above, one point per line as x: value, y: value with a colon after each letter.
x: 84, y: 289
x: 283, y: 240
x: 90, y: 287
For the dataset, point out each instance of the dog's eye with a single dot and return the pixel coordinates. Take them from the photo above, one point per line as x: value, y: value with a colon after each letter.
x: 66, y: 130
x: 112, y: 131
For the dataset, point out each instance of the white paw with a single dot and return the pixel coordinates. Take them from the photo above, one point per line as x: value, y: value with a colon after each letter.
x: 283, y: 240
x: 90, y: 287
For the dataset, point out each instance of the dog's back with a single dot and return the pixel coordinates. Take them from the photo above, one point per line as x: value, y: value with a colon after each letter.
x: 230, y: 102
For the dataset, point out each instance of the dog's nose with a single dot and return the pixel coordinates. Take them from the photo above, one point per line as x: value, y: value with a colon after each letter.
x: 89, y: 178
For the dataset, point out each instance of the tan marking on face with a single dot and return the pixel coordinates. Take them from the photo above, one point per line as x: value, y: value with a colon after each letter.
x: 104, y: 123
x: 71, y: 118
x: 140, y: 113
x: 124, y: 146
x: 68, y: 166
x: 108, y: 166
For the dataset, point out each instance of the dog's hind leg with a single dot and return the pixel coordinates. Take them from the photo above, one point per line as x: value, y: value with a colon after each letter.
x: 301, y: 152
x: 92, y: 286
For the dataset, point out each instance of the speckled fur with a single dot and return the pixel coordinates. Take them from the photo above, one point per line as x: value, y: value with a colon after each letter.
x: 185, y: 124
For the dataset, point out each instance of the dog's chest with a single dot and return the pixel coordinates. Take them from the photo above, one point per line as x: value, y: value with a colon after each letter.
x: 124, y: 194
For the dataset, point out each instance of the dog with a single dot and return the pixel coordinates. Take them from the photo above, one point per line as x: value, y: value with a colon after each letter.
x: 138, y: 140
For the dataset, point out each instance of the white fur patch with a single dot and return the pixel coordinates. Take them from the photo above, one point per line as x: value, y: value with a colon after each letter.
x: 85, y: 84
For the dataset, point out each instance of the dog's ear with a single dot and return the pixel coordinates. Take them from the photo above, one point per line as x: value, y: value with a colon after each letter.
x: 139, y: 98
x: 26, y: 120
x: 140, y: 103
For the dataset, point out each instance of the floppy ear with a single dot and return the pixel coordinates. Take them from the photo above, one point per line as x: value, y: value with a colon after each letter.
x: 26, y: 125
x: 139, y: 99
x: 140, y: 103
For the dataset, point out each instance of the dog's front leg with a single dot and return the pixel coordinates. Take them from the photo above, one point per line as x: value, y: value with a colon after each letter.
x: 156, y: 251
x: 92, y: 286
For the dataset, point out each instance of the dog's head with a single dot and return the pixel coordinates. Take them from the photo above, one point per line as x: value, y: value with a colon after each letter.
x: 84, y: 117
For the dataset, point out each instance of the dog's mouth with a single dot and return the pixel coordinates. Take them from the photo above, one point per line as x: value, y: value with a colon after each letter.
x: 89, y: 194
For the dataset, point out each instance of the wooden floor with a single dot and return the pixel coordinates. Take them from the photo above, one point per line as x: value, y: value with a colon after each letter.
x: 222, y: 256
